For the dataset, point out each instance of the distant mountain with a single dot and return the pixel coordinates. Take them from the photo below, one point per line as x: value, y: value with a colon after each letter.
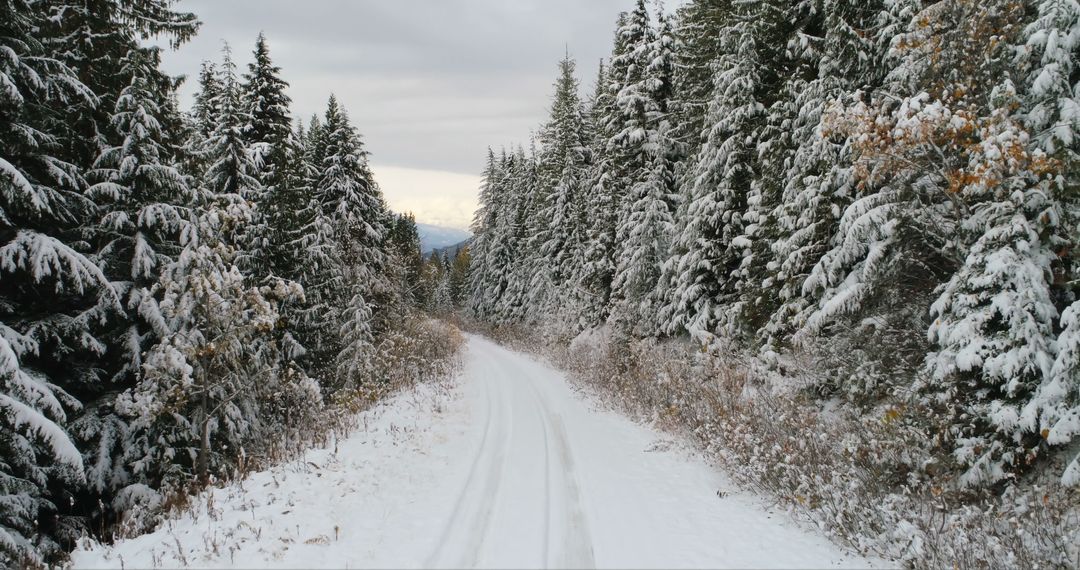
x: 450, y: 250
x: 438, y: 237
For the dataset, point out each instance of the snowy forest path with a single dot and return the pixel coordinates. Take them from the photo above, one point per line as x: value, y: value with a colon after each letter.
x: 584, y: 487
x: 541, y: 513
x: 506, y: 467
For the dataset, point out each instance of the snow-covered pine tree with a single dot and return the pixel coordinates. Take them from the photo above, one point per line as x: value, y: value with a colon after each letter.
x: 562, y: 170
x: 207, y: 384
x: 699, y: 31
x: 1048, y: 109
x: 287, y: 200
x: 646, y: 223
x: 899, y: 240
x: 94, y: 37
x: 609, y: 176
x: 482, y: 272
x: 459, y: 274
x: 598, y: 261
x: 403, y: 241
x: 775, y: 27
x: 435, y: 283
x: 706, y: 271
x: 318, y: 265
x: 442, y: 299
x: 1054, y: 410
x: 200, y: 403
x: 817, y: 182
x: 353, y: 203
x: 53, y: 296
x: 994, y: 320
x: 267, y: 105
x: 267, y: 131
x: 517, y: 233
x: 205, y: 109
x: 232, y: 165
x: 143, y: 204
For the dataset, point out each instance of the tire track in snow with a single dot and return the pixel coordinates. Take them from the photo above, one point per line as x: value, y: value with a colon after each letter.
x: 467, y: 528
x: 576, y: 549
x: 548, y: 466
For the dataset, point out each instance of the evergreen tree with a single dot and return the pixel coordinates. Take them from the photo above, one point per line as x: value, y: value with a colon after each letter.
x: 268, y: 132
x: 205, y: 110
x: 351, y: 207
x: 265, y: 102
x: 200, y: 401
x: 646, y: 223
x: 53, y: 295
x: 143, y: 202
x: 700, y: 32
x: 232, y: 168
x: 598, y: 255
x: 144, y: 213
x: 563, y: 170
x: 403, y: 242
x: 710, y: 255
x: 94, y: 38
x: 482, y: 272
x: 818, y: 184
x: 459, y: 274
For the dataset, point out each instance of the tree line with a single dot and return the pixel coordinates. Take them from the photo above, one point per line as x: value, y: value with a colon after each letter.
x: 180, y: 291
x: 886, y: 186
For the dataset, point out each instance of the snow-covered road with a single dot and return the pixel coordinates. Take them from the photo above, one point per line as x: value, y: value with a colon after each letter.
x: 508, y: 468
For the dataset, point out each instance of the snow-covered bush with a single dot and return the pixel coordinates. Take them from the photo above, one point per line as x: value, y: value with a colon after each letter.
x: 416, y: 350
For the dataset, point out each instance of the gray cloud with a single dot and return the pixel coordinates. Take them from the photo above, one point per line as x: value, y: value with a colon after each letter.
x: 429, y: 83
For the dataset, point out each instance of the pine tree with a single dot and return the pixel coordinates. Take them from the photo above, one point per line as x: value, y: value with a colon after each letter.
x: 93, y: 38
x: 53, y: 295
x: 1054, y: 410
x: 482, y: 273
x: 268, y: 132
x: 818, y: 184
x: 993, y: 323
x: 517, y: 236
x: 145, y: 201
x: 232, y: 168
x: 265, y: 102
x: 199, y: 403
x: 403, y: 242
x: 699, y: 31
x: 354, y: 209
x: 646, y: 223
x: 1048, y: 111
x: 598, y: 255
x: 711, y: 255
x: 563, y: 170
x: 205, y: 110
x: 459, y: 275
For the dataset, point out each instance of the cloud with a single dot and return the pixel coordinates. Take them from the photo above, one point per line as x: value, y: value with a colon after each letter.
x: 438, y: 198
x: 430, y: 84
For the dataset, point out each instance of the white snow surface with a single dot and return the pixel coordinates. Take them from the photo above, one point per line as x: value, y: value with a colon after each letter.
x: 506, y: 466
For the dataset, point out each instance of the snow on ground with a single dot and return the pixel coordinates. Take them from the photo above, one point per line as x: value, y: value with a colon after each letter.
x: 507, y: 467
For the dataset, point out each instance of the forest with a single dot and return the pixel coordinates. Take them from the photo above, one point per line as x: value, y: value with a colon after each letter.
x: 831, y: 244
x: 857, y: 219
x: 183, y: 292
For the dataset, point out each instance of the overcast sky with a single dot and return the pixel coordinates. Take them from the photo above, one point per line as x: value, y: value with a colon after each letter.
x: 430, y: 84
